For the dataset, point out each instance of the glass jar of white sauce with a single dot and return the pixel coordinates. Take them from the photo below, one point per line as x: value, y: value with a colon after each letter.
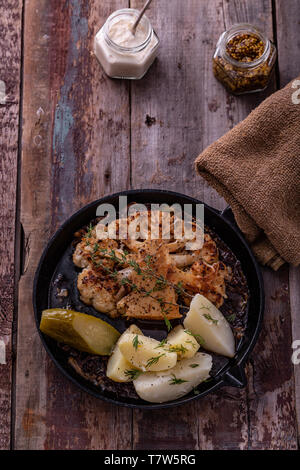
x: 121, y: 53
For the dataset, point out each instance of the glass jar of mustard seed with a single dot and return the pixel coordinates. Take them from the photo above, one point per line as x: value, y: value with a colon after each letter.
x: 244, y: 59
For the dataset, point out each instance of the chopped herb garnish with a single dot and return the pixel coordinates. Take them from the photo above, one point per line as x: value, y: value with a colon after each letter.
x: 179, y: 348
x: 160, y: 284
x: 210, y: 318
x: 176, y: 381
x: 154, y: 360
x: 231, y: 318
x: 148, y: 259
x: 197, y: 337
x: 193, y: 366
x: 196, y: 391
x: 135, y: 266
x: 136, y: 342
x: 121, y: 259
x: 179, y: 288
x: 190, y: 342
x: 168, y: 323
x: 161, y: 344
x: 89, y: 231
x: 133, y: 373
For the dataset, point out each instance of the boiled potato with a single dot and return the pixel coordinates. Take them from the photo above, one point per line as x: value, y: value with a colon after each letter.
x: 159, y: 387
x: 133, y: 329
x: 145, y: 353
x: 206, y: 320
x: 79, y: 330
x: 178, y: 340
x: 118, y: 368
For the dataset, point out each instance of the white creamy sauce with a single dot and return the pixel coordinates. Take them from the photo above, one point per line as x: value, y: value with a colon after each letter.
x: 120, y: 32
x: 134, y: 61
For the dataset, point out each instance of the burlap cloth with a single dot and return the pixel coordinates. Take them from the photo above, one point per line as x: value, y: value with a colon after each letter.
x: 256, y: 168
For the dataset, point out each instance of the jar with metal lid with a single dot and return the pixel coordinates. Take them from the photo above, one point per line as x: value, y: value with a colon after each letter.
x: 121, y: 53
x: 244, y: 59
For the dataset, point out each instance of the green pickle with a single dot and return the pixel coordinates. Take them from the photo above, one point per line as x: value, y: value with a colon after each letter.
x: 79, y: 330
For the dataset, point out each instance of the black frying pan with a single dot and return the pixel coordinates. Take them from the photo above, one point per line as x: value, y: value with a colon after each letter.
x: 57, y: 258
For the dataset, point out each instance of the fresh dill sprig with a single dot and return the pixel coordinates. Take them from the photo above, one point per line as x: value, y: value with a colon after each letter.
x: 191, y: 342
x: 176, y: 381
x: 136, y: 342
x: 197, y: 337
x: 132, y: 373
x: 210, y: 318
x: 168, y: 323
x: 177, y: 349
x: 161, y: 344
x: 154, y: 360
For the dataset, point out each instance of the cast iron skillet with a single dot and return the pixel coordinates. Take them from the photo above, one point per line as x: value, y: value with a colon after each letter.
x: 59, y: 248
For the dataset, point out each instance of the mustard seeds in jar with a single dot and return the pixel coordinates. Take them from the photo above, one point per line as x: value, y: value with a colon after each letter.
x: 244, y: 59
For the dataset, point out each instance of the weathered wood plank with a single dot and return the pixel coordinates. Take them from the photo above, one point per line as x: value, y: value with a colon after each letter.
x: 166, y: 429
x: 10, y: 63
x: 288, y: 39
x: 288, y: 42
x: 191, y: 110
x: 75, y: 149
x: 271, y: 419
x: 63, y: 169
x: 294, y: 279
x: 270, y: 372
x: 163, y: 154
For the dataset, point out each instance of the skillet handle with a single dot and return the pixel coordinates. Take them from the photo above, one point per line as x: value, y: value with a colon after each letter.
x: 236, y: 377
x: 228, y: 214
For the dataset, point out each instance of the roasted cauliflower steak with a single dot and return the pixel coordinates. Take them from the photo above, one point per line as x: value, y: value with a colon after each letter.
x: 143, y: 278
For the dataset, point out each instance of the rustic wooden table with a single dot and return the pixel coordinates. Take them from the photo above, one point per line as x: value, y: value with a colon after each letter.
x: 69, y: 135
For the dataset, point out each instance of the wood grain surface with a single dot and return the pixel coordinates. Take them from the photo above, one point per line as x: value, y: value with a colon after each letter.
x: 85, y: 135
x: 75, y: 149
x: 196, y: 112
x: 10, y: 63
x: 288, y: 44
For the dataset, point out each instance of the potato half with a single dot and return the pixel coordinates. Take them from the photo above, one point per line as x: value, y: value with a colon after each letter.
x: 184, y: 344
x: 145, y: 353
x: 160, y: 387
x: 206, y: 320
x: 118, y: 368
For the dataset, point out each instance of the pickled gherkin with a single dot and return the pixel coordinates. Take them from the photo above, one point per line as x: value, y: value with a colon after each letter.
x: 79, y: 330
